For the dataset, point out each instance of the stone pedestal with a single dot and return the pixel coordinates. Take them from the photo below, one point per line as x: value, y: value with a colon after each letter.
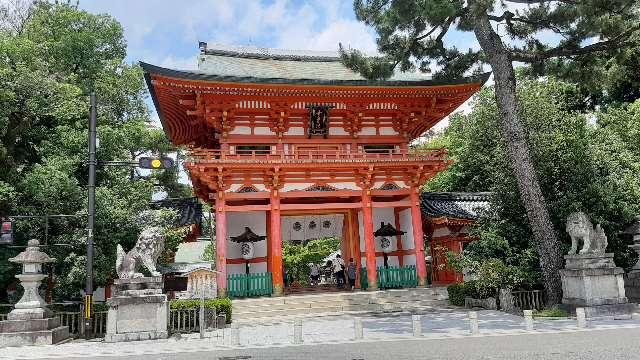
x: 138, y: 310
x: 594, y: 282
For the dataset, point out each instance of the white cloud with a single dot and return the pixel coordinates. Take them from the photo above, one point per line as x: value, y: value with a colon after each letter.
x: 188, y: 63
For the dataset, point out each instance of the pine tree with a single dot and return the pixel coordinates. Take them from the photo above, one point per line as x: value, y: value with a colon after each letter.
x: 412, y: 34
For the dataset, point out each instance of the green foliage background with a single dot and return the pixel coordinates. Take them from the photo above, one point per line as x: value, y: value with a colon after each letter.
x: 585, y: 161
x: 48, y: 65
x: 297, y: 258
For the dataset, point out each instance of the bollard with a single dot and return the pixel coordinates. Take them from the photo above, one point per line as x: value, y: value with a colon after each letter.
x: 473, y: 323
x: 357, y: 327
x: 235, y: 334
x: 297, y: 332
x: 528, y: 319
x: 582, y: 320
x: 416, y: 320
x: 201, y: 317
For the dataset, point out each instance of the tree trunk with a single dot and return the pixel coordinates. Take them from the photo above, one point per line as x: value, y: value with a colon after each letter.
x: 513, y: 132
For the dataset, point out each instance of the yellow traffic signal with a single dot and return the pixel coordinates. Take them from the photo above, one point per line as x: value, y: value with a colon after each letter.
x: 155, y: 163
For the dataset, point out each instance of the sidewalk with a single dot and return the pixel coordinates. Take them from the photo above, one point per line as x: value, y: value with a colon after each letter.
x: 453, y: 324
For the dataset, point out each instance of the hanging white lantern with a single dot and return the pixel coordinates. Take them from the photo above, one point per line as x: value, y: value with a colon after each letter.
x: 247, y: 250
x: 385, y: 245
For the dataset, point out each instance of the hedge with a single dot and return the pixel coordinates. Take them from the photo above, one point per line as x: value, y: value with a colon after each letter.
x: 221, y: 305
x: 457, y: 292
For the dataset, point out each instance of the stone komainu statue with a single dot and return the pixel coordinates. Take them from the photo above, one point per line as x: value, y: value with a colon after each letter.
x: 148, y: 248
x: 580, y: 228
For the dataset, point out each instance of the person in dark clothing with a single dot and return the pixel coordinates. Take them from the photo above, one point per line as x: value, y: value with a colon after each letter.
x: 351, y: 274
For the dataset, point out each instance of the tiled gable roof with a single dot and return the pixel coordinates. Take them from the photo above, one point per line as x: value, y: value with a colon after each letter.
x: 467, y: 206
x: 251, y: 61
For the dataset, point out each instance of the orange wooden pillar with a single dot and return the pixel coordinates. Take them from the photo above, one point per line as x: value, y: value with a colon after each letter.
x: 354, y: 235
x: 275, y: 237
x: 396, y: 215
x: 369, y: 244
x: 221, y: 245
x: 418, y: 241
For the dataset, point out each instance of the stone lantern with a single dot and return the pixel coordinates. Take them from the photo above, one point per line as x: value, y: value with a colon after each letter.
x: 386, y: 234
x: 31, y: 323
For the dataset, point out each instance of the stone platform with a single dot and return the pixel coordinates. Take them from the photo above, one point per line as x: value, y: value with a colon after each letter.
x: 138, y: 310
x: 595, y: 283
x: 45, y: 331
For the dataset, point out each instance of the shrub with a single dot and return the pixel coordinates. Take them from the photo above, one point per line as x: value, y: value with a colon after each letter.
x: 456, y: 294
x: 222, y: 305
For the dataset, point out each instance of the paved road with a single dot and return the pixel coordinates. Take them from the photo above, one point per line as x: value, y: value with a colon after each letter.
x: 584, y: 345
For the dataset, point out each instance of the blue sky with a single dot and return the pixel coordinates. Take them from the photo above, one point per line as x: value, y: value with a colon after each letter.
x: 166, y: 32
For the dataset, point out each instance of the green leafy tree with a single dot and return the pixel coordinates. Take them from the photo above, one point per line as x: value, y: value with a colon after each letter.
x: 584, y: 163
x: 50, y: 59
x: 412, y: 33
x: 297, y: 258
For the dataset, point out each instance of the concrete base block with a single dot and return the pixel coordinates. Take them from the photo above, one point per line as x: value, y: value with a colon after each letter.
x: 615, y: 311
x: 594, y: 283
x: 138, y: 313
x: 41, y: 337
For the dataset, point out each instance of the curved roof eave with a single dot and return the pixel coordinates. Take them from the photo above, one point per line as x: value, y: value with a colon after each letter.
x: 202, y: 76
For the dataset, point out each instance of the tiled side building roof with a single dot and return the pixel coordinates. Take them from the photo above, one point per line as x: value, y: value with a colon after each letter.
x: 454, y: 205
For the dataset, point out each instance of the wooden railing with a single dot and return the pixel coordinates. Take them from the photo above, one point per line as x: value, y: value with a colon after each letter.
x: 528, y: 300
x: 247, y: 285
x: 397, y: 277
x: 75, y: 321
x: 392, y: 277
x: 188, y: 320
x: 218, y: 156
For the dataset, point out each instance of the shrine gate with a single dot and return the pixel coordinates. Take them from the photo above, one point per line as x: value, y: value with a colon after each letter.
x: 274, y: 133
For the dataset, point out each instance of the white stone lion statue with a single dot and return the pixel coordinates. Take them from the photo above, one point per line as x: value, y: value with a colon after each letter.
x: 579, y: 228
x: 149, y: 246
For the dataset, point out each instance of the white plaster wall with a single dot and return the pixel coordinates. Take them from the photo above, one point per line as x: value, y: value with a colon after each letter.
x: 388, y: 131
x: 295, y: 187
x: 236, y: 221
x: 260, y: 267
x: 441, y: 231
x: 240, y: 130
x: 367, y: 131
x: 409, y: 259
x: 262, y: 131
x: 260, y: 187
x: 337, y: 130
x: 305, y: 232
x: 344, y: 186
x: 361, y: 231
x: 406, y: 226
x: 295, y: 130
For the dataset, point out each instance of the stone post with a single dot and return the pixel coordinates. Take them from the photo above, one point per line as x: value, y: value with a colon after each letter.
x: 297, y: 332
x: 528, y: 319
x: 357, y: 327
x: 581, y: 317
x: 416, y: 321
x: 202, y: 324
x: 473, y: 323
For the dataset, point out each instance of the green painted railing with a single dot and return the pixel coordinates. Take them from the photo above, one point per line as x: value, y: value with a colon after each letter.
x: 247, y: 285
x: 397, y: 277
x: 392, y: 277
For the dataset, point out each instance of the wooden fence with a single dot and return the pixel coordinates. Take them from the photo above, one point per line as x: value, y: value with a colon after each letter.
x: 188, y: 320
x: 75, y: 321
x: 393, y: 277
x: 528, y: 300
x: 248, y: 285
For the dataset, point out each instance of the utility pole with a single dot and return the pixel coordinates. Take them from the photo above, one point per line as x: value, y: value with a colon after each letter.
x: 91, y: 209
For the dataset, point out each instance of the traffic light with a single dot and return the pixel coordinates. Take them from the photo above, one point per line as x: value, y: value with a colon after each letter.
x: 155, y: 163
x: 6, y: 234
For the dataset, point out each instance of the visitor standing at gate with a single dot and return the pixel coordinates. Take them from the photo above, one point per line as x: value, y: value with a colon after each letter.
x: 351, y: 274
x: 338, y: 270
x: 315, y: 274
